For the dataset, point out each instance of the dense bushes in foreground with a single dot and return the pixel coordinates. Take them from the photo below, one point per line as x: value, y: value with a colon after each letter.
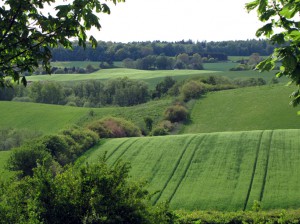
x: 88, y: 194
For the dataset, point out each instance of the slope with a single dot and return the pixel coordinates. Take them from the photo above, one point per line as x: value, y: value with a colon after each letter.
x: 215, y: 171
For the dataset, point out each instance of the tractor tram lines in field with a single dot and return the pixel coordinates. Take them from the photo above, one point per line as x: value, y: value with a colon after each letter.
x: 217, y: 171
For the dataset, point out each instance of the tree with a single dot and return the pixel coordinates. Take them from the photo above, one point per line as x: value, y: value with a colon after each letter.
x: 28, y: 32
x: 283, y: 29
x: 93, y: 193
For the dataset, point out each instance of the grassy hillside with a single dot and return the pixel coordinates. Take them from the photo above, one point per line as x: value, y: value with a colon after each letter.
x: 222, y: 171
x: 4, y: 174
x: 119, y: 72
x: 253, y: 108
x: 51, y: 118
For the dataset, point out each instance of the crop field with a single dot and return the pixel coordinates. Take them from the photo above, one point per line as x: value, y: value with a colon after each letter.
x: 213, y: 171
x: 252, y: 108
x: 48, y: 118
x: 119, y: 73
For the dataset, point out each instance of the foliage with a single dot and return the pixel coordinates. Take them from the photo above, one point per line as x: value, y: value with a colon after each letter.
x: 250, y: 82
x: 216, y: 217
x: 163, y: 87
x: 113, y: 127
x: 122, y: 92
x: 281, y: 28
x: 90, y: 194
x: 163, y: 128
x: 52, y: 151
x: 127, y: 92
x: 192, y: 89
x: 106, y: 52
x: 28, y: 32
x: 149, y: 123
x: 176, y: 113
x: 24, y: 159
x: 12, y: 137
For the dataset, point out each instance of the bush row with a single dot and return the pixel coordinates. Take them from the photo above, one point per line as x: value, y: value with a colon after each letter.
x: 238, y: 217
x: 54, y: 151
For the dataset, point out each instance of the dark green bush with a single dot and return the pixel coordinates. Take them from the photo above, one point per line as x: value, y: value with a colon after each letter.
x: 176, y: 113
x: 24, y: 159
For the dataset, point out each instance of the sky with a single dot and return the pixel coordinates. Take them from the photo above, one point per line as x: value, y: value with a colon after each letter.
x: 175, y: 20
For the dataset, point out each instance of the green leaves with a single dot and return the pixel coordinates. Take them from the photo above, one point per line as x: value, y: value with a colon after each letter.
x: 287, y: 35
x: 266, y: 30
x: 27, y: 33
x: 289, y: 10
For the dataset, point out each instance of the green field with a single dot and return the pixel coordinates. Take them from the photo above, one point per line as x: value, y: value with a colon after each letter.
x: 217, y: 171
x: 252, y: 108
x: 153, y: 77
x: 220, y: 66
x: 52, y: 118
x: 76, y: 64
x: 118, y: 73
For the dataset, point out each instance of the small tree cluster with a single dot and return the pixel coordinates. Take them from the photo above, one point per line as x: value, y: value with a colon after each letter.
x: 162, y: 62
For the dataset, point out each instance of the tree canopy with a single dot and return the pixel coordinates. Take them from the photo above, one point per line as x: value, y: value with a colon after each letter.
x: 30, y: 28
x: 282, y: 27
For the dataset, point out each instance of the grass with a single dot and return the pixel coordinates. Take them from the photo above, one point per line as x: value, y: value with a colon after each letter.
x: 213, y: 171
x: 252, y: 108
x: 4, y: 174
x: 76, y: 64
x: 118, y: 73
x: 48, y: 119
x: 220, y: 66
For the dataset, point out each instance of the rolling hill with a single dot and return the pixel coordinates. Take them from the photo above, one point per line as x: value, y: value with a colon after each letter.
x: 214, y: 171
x: 48, y: 118
x: 252, y: 108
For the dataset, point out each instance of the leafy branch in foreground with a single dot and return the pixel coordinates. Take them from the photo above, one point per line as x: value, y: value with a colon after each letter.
x: 28, y: 32
x: 282, y: 27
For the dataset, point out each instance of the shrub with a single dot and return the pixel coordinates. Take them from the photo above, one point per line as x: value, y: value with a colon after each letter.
x: 112, y: 127
x: 52, y: 150
x: 176, y: 113
x: 192, y: 89
x: 27, y: 157
x: 157, y: 131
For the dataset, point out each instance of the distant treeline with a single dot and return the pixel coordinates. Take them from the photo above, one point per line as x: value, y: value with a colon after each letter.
x: 119, y: 92
x: 110, y: 51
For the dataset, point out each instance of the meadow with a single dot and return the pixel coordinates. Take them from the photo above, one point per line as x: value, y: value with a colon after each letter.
x: 251, y: 108
x: 224, y: 171
x: 49, y: 119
